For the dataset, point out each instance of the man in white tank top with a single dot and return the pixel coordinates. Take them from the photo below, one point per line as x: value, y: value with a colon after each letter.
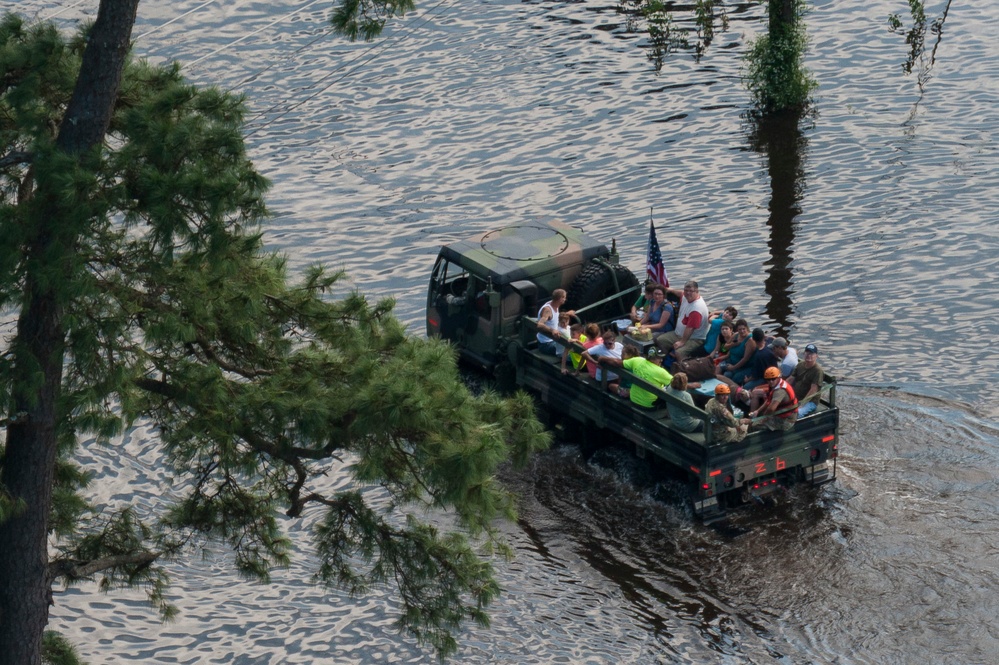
x: 548, y: 322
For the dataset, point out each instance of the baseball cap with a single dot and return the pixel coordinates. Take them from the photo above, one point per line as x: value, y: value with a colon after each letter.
x: 779, y: 342
x: 652, y: 353
x: 811, y: 348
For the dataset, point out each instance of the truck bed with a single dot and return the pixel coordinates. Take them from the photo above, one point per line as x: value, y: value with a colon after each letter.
x: 754, y: 465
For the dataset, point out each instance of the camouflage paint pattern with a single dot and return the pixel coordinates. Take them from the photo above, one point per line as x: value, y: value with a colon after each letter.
x: 521, y: 264
x: 548, y: 254
x: 509, y: 273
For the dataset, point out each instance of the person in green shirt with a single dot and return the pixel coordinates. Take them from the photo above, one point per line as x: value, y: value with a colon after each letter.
x: 647, y: 370
x: 638, y: 309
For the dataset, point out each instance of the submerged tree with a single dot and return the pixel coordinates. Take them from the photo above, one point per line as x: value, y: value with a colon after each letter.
x: 133, y: 265
x: 775, y: 71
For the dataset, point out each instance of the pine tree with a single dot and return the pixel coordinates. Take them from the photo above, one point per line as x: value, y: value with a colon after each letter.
x: 133, y: 265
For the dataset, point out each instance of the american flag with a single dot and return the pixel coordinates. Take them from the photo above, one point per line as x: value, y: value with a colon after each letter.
x: 654, y: 268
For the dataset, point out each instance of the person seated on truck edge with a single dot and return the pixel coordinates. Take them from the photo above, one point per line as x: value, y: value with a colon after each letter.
x: 780, y: 409
x: 659, y: 312
x: 576, y: 334
x: 682, y: 420
x: 727, y: 427
x: 548, y: 322
x: 688, y: 337
x: 716, y: 319
x: 643, y: 368
x: 609, y: 348
x: 807, y: 377
x: 638, y: 309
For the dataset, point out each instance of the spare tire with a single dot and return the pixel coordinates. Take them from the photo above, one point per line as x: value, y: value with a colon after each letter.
x: 596, y: 282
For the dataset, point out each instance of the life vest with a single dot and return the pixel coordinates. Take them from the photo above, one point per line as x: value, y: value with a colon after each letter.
x: 786, y: 406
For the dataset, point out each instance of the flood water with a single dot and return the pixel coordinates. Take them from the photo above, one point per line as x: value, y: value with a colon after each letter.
x: 867, y: 228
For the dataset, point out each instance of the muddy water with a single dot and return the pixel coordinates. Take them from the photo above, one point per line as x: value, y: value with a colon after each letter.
x: 867, y: 228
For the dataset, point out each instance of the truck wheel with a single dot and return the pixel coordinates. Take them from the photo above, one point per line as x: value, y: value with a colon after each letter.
x: 505, y: 375
x: 595, y: 283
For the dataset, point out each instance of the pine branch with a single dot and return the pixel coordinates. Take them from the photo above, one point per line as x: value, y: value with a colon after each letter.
x: 288, y: 454
x: 211, y: 356
x: 78, y: 570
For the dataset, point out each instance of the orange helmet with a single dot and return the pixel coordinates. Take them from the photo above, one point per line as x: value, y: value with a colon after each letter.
x: 722, y: 389
x: 771, y: 373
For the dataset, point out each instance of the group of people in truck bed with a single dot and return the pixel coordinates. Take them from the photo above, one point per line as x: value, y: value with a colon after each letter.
x: 761, y: 374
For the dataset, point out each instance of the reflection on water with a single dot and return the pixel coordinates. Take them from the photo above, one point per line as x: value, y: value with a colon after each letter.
x: 779, y: 139
x: 915, y: 37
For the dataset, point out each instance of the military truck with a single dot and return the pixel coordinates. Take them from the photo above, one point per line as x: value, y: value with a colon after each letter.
x: 484, y: 295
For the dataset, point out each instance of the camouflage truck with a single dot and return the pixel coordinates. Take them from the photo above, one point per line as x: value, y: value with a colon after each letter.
x: 484, y: 295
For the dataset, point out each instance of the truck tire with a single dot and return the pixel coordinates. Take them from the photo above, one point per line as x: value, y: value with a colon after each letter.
x: 505, y: 375
x: 595, y: 283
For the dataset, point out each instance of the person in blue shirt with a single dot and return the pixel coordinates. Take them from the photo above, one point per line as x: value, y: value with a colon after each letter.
x: 659, y: 313
x: 714, y: 328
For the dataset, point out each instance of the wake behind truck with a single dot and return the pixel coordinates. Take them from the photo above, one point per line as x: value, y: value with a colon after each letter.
x: 484, y: 295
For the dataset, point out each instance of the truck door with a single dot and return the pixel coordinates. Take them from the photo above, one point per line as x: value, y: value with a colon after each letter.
x: 447, y: 300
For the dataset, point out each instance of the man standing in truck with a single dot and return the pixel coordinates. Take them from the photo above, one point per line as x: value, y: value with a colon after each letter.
x: 691, y: 324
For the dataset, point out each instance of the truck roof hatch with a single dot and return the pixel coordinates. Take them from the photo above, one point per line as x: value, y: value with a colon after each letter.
x: 523, y: 251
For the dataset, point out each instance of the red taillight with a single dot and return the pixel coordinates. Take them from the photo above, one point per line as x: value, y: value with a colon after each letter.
x: 827, y: 439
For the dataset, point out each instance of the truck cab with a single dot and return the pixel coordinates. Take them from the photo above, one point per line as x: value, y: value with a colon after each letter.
x: 480, y: 287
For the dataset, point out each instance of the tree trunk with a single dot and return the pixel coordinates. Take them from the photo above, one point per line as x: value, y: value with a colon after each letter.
x: 31, y: 447
x: 781, y: 15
